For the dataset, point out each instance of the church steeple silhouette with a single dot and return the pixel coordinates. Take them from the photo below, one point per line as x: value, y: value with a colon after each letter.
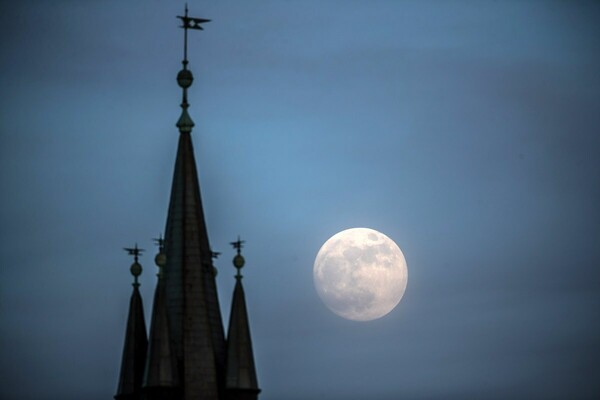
x: 241, y: 382
x: 161, y: 377
x: 187, y: 351
x: 136, y: 342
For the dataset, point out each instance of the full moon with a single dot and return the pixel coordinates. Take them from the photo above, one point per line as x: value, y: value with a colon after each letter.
x: 360, y: 274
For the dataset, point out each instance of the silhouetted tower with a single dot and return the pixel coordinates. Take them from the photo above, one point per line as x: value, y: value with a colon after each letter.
x: 187, y: 350
x: 161, y: 377
x: 241, y: 382
x: 195, y: 323
x: 136, y: 342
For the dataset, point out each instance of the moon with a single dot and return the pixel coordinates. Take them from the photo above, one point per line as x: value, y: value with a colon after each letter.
x: 360, y: 274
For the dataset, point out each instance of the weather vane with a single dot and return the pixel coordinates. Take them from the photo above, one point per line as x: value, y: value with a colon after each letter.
x: 238, y: 244
x: 189, y: 23
x: 134, y: 251
x: 160, y: 242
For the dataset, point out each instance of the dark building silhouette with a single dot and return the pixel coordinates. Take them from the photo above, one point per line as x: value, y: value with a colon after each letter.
x: 136, y: 341
x: 187, y: 355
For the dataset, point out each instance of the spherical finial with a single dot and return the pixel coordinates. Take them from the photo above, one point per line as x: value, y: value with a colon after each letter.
x: 136, y: 269
x: 238, y: 261
x: 185, y: 78
x: 161, y: 259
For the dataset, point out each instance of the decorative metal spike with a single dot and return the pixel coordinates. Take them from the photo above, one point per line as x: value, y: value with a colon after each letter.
x: 134, y: 251
x: 238, y: 244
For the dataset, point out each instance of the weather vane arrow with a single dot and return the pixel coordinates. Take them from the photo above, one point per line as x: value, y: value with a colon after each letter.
x: 192, y: 23
x: 189, y: 23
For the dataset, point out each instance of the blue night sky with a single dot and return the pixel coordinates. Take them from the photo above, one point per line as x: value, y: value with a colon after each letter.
x: 466, y: 131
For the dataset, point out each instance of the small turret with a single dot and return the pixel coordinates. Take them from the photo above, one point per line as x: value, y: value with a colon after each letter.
x: 136, y: 340
x: 160, y: 377
x: 241, y: 382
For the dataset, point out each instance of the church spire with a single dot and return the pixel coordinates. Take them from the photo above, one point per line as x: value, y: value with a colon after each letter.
x: 136, y: 342
x: 195, y: 324
x: 161, y: 379
x: 241, y: 382
x: 185, y: 77
x: 186, y: 356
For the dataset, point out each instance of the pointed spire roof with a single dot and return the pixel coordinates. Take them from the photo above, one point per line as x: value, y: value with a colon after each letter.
x: 241, y: 379
x: 190, y: 286
x: 161, y: 375
x: 136, y: 341
x: 195, y: 324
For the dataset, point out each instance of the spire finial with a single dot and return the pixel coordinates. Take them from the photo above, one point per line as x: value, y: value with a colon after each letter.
x: 136, y: 267
x: 161, y: 258
x: 185, y: 77
x: 160, y: 242
x: 238, y: 260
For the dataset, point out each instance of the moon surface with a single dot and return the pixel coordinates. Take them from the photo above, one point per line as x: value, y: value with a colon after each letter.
x: 360, y: 274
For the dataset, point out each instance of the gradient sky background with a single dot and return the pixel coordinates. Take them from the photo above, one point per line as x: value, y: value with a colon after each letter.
x: 465, y: 131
